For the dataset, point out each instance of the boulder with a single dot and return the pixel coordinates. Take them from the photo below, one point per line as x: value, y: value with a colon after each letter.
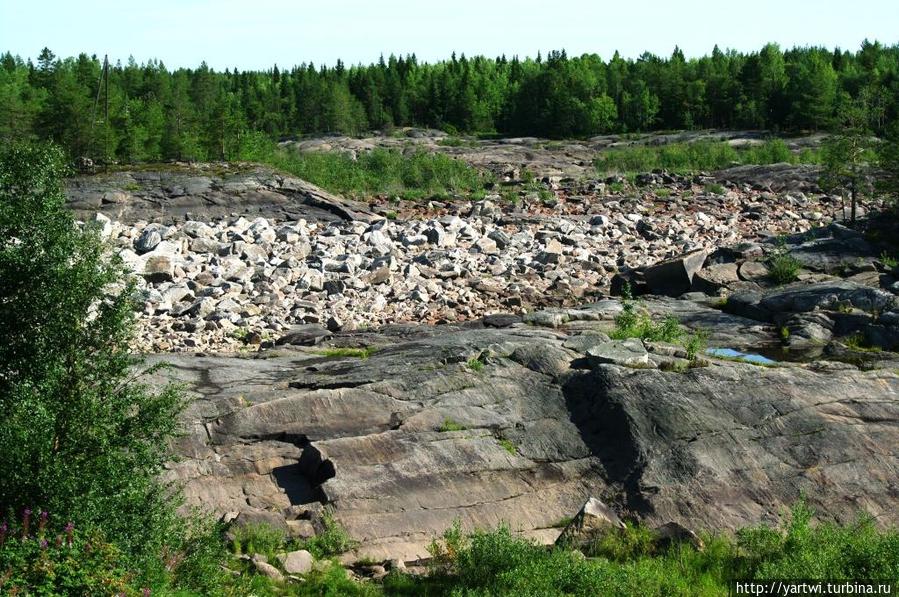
x: 715, y: 277
x: 674, y: 277
x: 672, y: 533
x: 296, y: 562
x: 304, y: 335
x: 629, y: 353
x: 159, y: 268
x: 594, y: 520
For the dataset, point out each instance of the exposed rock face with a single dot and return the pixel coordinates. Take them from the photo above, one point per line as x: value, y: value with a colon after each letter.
x: 402, y: 443
x: 171, y: 193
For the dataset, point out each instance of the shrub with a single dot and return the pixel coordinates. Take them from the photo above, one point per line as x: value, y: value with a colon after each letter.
x: 257, y: 538
x: 413, y: 175
x: 332, y: 541
x: 78, y: 436
x: 783, y: 268
x: 49, y: 560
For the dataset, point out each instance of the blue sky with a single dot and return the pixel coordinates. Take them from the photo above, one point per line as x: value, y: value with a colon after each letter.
x: 257, y: 34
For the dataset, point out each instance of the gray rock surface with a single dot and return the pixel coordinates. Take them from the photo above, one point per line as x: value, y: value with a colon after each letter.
x: 541, y: 429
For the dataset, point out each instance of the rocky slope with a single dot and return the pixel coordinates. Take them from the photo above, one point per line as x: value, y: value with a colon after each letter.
x: 522, y: 424
x: 339, y: 391
x: 215, y: 273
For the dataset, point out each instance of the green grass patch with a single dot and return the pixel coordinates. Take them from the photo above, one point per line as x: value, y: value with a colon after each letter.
x: 359, y: 353
x: 857, y: 342
x: 700, y: 155
x: 630, y: 562
x: 411, y: 175
x: 714, y: 189
x: 475, y: 364
x: 450, y: 425
x: 508, y: 446
x: 783, y: 268
x: 632, y: 323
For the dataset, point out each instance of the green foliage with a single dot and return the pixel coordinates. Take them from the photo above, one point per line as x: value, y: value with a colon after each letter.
x: 415, y: 175
x: 450, y: 425
x: 475, y: 364
x: 50, y: 560
x: 333, y: 540
x: 857, y: 342
x: 360, y: 353
x: 714, y: 189
x: 631, y: 323
x: 79, y: 437
x: 889, y: 261
x: 630, y: 562
x: 257, y: 538
x: 783, y: 268
x: 200, y: 114
x: 509, y: 446
x: 699, y: 155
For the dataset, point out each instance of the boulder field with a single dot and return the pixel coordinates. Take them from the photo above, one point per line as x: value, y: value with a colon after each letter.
x: 463, y: 362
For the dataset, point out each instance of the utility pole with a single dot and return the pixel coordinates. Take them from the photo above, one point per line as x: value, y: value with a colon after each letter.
x: 106, y: 113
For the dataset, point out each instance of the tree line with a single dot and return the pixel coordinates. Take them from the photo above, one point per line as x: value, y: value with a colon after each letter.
x: 156, y: 113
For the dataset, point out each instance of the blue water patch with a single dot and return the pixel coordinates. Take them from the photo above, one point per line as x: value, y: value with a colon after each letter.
x: 730, y: 353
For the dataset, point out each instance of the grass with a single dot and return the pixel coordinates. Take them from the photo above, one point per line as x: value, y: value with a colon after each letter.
x: 508, y: 446
x: 360, y: 353
x: 633, y: 324
x: 783, y: 268
x: 857, y: 342
x: 631, y: 562
x: 714, y: 189
x: 888, y: 261
x: 663, y: 193
x: 475, y: 364
x: 412, y: 175
x: 450, y: 425
x: 700, y: 155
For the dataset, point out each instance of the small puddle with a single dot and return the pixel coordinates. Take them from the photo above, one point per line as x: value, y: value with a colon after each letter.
x: 730, y: 353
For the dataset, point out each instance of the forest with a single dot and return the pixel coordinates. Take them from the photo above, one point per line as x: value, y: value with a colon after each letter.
x: 155, y: 113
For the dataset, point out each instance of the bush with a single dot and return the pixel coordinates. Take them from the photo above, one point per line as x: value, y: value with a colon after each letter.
x: 783, y: 268
x: 79, y: 437
x: 415, y: 175
x: 699, y: 155
x: 41, y: 559
x: 332, y: 541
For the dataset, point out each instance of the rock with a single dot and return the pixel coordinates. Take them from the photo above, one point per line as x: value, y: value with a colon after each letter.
x: 148, y: 240
x: 296, y: 562
x: 674, y: 277
x: 672, y: 533
x: 304, y: 335
x: 628, y: 353
x: 159, y: 268
x: 268, y: 570
x: 361, y: 434
x: 592, y: 521
x: 715, y: 277
x: 334, y: 324
x: 501, y: 320
x: 753, y: 271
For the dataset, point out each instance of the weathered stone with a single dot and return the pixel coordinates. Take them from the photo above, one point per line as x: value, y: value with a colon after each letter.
x: 592, y: 521
x: 629, y: 353
x: 296, y: 562
x: 674, y: 277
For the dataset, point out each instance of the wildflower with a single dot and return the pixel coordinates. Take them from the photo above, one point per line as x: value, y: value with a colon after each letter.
x: 26, y: 521
x: 44, y: 544
x: 70, y: 528
x: 145, y: 592
x: 42, y: 521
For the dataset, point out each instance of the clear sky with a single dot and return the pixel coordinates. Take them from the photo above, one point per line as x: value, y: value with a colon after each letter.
x: 257, y: 34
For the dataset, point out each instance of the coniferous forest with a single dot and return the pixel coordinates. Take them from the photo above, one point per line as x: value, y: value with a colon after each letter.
x: 157, y: 113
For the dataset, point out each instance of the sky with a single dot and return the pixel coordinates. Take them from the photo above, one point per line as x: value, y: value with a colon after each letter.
x: 261, y: 33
